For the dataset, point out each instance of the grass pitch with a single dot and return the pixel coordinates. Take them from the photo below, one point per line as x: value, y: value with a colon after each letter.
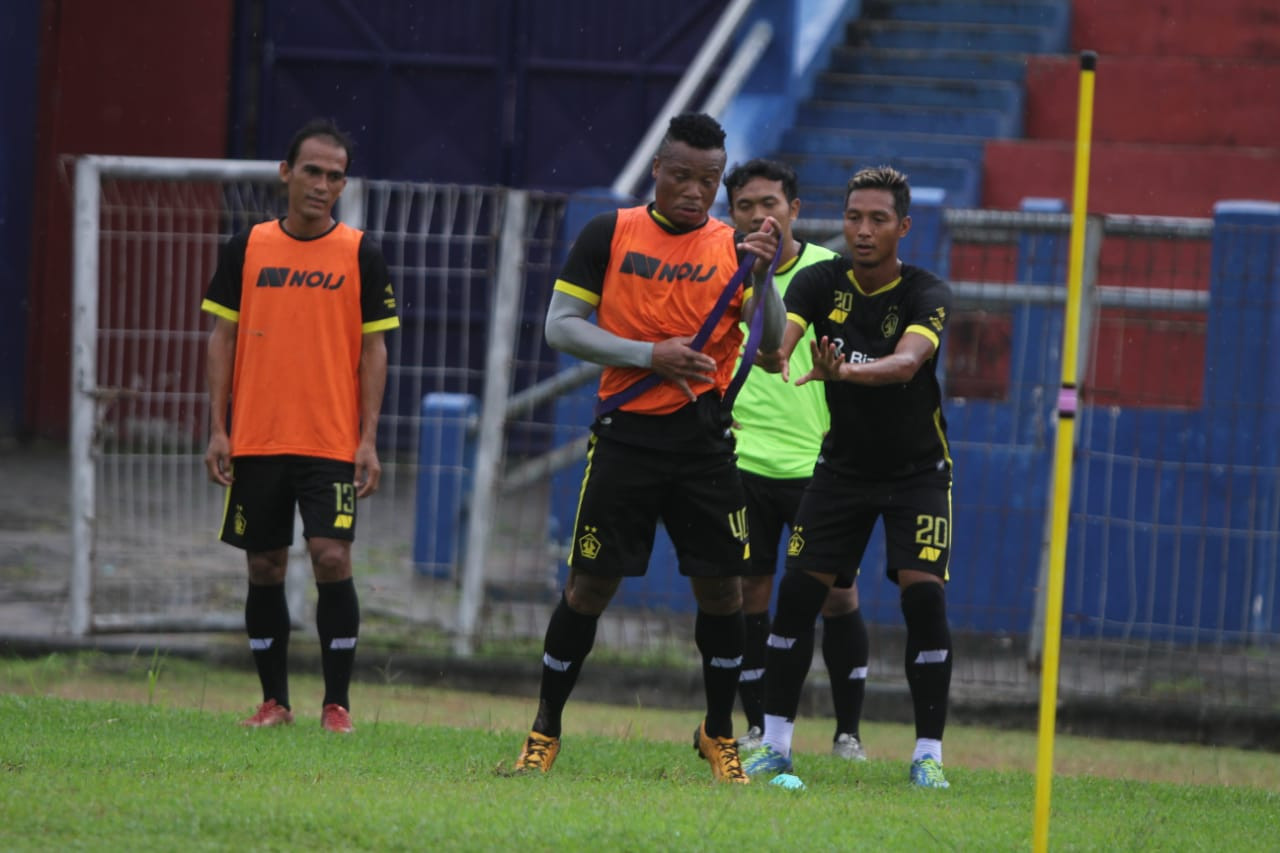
x: 149, y: 757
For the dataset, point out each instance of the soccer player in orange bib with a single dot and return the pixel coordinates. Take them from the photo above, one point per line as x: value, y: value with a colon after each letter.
x: 297, y: 357
x: 653, y: 276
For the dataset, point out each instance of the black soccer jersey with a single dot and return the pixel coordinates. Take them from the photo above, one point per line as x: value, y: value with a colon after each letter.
x: 884, y: 431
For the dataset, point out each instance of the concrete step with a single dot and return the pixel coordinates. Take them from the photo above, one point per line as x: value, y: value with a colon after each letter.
x: 834, y: 172
x: 822, y: 183
x: 952, y: 36
x: 1031, y: 13
x: 919, y: 91
x: 893, y: 118
x: 804, y: 140
x: 919, y: 62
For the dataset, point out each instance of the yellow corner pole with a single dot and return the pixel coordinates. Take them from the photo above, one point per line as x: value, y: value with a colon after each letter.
x: 1063, y: 451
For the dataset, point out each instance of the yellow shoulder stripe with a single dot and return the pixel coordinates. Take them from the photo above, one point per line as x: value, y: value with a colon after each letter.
x: 577, y: 292
x: 380, y: 325
x: 923, y: 331
x: 798, y: 320
x: 220, y: 311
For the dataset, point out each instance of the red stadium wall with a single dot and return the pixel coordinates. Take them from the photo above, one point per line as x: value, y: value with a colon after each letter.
x: 1184, y: 110
x: 1184, y: 117
x: 1229, y: 29
x: 1157, y: 99
x: 152, y: 82
x: 1155, y: 180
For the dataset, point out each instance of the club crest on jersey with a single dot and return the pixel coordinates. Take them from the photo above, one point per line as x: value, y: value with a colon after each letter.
x: 889, y: 325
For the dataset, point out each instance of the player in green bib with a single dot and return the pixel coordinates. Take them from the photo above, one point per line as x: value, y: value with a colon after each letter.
x: 779, y: 429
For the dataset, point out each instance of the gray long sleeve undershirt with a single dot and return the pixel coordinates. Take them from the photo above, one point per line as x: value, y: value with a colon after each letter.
x: 568, y: 330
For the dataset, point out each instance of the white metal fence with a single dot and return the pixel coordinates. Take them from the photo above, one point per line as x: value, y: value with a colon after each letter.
x: 483, y: 430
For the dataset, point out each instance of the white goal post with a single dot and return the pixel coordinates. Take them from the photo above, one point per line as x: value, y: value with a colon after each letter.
x: 88, y: 396
x: 146, y: 236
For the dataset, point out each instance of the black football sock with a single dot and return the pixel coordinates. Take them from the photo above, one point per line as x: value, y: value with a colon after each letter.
x: 720, y: 639
x: 266, y: 620
x: 751, y: 681
x: 338, y: 623
x: 928, y: 657
x: 790, y: 647
x: 844, y: 649
x: 570, y: 636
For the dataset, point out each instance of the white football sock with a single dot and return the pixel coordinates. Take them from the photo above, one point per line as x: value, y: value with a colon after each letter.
x: 777, y: 733
x: 926, y: 748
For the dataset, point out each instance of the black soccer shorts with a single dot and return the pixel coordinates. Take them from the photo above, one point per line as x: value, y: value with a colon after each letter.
x: 628, y: 489
x: 837, y: 514
x: 771, y: 505
x: 259, y: 511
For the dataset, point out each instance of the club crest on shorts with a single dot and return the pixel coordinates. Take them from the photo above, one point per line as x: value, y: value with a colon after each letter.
x: 239, y: 520
x: 795, y: 544
x: 588, y: 545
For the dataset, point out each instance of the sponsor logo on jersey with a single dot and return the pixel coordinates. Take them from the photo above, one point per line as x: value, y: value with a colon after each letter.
x: 645, y: 266
x: 288, y: 277
x: 639, y: 264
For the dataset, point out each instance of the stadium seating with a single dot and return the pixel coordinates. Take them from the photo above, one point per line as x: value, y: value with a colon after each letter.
x: 979, y: 98
x: 1182, y: 115
x: 921, y: 85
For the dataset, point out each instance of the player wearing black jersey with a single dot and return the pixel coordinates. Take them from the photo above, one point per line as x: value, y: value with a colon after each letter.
x: 779, y: 430
x: 878, y: 323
